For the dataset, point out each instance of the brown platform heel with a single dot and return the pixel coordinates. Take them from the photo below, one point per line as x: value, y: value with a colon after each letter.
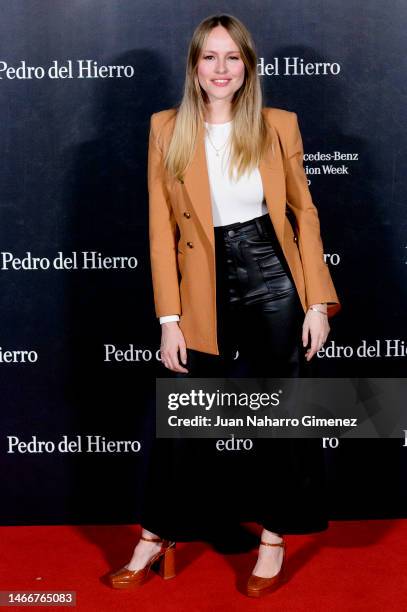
x: 257, y: 585
x: 164, y: 560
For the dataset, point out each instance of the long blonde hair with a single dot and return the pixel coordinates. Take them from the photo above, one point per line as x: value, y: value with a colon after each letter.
x: 249, y: 136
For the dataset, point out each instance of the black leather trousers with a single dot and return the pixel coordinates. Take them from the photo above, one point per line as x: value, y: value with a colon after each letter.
x: 259, y: 313
x: 280, y: 482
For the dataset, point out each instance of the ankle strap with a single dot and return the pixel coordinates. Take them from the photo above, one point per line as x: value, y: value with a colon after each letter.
x: 269, y: 544
x: 150, y: 539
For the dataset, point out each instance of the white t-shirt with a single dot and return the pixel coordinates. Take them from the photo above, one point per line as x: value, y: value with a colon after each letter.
x: 231, y: 200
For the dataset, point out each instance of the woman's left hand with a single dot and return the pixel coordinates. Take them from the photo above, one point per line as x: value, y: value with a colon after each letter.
x: 316, y: 324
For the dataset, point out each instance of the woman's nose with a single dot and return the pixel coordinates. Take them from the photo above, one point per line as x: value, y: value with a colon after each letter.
x: 220, y: 68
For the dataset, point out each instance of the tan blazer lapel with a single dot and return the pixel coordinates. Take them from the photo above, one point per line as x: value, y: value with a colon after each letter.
x: 271, y: 168
x: 196, y: 181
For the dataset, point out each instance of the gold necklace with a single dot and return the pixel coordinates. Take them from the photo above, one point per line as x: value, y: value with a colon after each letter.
x: 216, y: 149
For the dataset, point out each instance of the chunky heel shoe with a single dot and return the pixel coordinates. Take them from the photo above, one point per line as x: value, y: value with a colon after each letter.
x: 166, y: 564
x: 258, y: 586
x: 163, y: 561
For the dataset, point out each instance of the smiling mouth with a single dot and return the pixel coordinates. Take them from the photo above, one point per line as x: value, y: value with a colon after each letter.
x: 221, y: 81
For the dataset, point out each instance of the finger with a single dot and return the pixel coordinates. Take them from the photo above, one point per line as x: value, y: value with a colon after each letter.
x: 171, y: 360
x: 166, y: 359
x: 316, y: 340
x: 175, y: 364
x: 181, y: 369
x: 310, y: 353
x: 305, y: 331
x: 320, y: 343
x: 323, y: 338
x: 183, y: 353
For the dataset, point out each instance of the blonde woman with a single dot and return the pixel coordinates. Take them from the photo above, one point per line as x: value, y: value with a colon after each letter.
x: 237, y: 263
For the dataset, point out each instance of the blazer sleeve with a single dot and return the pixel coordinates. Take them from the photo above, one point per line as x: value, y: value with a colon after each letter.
x: 162, y: 233
x: 318, y: 282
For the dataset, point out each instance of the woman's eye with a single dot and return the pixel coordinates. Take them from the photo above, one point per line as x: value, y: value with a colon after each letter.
x: 234, y: 57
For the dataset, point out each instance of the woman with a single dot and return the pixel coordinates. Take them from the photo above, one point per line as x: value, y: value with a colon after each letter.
x: 232, y: 271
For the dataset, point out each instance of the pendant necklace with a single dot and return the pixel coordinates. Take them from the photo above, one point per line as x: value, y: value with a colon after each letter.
x: 217, y: 150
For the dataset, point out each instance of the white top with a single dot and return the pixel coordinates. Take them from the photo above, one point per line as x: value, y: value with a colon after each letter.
x: 232, y: 200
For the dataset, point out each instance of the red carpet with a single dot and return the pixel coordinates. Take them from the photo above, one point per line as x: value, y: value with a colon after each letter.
x: 355, y: 565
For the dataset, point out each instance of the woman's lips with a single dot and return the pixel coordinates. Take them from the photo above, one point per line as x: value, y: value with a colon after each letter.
x: 221, y: 82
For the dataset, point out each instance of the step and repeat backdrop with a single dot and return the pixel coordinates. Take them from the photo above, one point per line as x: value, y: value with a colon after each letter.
x: 79, y: 341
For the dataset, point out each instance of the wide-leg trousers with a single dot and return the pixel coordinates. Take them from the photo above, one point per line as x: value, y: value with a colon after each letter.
x: 192, y: 486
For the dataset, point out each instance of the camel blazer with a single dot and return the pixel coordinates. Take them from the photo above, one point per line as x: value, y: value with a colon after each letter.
x: 181, y: 233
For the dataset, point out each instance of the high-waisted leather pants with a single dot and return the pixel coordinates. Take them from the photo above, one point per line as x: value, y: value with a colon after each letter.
x: 259, y: 313
x: 193, y: 489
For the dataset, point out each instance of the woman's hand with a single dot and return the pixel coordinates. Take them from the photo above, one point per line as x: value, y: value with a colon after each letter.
x: 317, y: 324
x: 172, y: 340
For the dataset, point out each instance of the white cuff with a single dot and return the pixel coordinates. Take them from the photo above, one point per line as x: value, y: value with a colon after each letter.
x: 169, y: 318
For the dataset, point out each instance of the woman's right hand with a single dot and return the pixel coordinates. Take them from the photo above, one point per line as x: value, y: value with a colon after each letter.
x: 172, y: 340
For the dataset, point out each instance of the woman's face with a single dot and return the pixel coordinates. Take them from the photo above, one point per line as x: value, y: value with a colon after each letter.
x: 220, y: 67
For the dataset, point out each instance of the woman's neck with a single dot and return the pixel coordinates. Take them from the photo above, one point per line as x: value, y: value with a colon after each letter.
x: 218, y: 115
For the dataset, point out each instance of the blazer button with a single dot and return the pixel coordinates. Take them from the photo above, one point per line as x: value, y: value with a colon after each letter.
x: 187, y: 215
x: 191, y: 246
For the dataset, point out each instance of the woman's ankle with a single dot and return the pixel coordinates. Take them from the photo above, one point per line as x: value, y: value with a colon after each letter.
x: 148, y: 534
x: 272, y: 537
